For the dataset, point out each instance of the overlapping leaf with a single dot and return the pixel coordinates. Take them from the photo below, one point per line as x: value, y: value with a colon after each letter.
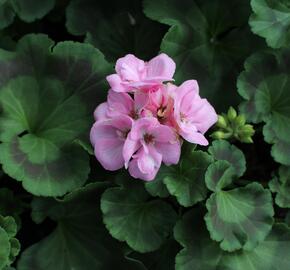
x: 186, y: 181
x: 47, y: 96
x: 271, y: 20
x: 80, y: 239
x: 27, y: 10
x: 240, y: 218
x: 201, y: 253
x: 281, y: 185
x: 130, y: 217
x: 223, y: 150
x: 265, y: 86
x: 116, y: 28
x: 10, y: 246
x: 205, y: 41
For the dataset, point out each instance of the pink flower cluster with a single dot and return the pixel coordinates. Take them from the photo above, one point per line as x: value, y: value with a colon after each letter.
x: 144, y: 119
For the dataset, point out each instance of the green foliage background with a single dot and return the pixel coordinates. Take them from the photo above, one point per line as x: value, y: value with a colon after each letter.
x: 224, y: 207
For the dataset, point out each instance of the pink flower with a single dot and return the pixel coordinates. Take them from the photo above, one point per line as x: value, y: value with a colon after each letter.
x: 121, y: 104
x: 133, y: 73
x: 193, y: 115
x: 153, y: 143
x: 161, y: 103
x: 108, y: 137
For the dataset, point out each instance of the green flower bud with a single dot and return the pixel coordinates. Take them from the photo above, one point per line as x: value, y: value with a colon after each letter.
x: 222, y: 122
x: 240, y: 120
x: 219, y: 135
x: 232, y: 114
x: 247, y: 140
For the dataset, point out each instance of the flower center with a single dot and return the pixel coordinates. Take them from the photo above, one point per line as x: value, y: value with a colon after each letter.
x: 183, y: 117
x: 134, y: 115
x: 148, y: 138
x: 123, y: 133
x: 161, y: 112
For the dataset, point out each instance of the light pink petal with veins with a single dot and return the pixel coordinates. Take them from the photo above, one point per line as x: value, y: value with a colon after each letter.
x: 130, y: 68
x: 100, y: 112
x: 170, y: 152
x: 119, y: 103
x: 160, y: 68
x: 116, y: 83
x: 145, y: 165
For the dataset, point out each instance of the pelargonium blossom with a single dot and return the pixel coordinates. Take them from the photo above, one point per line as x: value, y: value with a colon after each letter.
x: 146, y: 117
x: 133, y: 73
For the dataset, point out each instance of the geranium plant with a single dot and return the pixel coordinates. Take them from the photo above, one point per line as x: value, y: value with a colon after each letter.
x: 144, y: 135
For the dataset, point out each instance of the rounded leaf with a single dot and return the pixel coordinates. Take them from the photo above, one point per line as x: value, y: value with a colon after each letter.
x: 129, y: 217
x: 240, y: 218
x: 223, y: 150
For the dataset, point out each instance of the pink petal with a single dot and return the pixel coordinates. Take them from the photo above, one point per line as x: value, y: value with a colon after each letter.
x: 141, y: 100
x: 145, y: 166
x: 115, y: 83
x: 102, y: 129
x: 194, y: 137
x: 203, y: 116
x: 130, y: 147
x: 130, y: 68
x: 100, y: 112
x: 141, y: 126
x: 119, y: 103
x: 109, y: 153
x: 162, y: 133
x: 122, y: 122
x: 170, y: 152
x: 161, y: 68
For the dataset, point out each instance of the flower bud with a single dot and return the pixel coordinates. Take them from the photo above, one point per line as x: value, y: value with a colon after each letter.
x: 222, y: 122
x: 232, y: 114
x: 240, y: 120
x: 219, y: 135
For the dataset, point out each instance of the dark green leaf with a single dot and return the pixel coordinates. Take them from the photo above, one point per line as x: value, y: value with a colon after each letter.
x: 80, y: 239
x: 281, y: 185
x: 223, y: 150
x: 130, y: 217
x: 116, y: 28
x: 186, y: 181
x: 48, y: 97
x: 205, y: 41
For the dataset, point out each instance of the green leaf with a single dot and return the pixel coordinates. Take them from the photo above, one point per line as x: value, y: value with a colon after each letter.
x: 10, y: 246
x: 281, y: 185
x: 271, y: 254
x: 205, y: 42
x: 186, y: 181
x: 48, y: 97
x: 27, y: 10
x: 5, y: 248
x: 264, y: 84
x: 240, y: 218
x: 130, y: 217
x: 161, y: 259
x: 223, y: 150
x: 30, y: 10
x: 273, y: 102
x: 7, y: 14
x: 200, y: 253
x: 107, y: 24
x: 157, y: 187
x: 271, y: 20
x: 80, y: 240
x: 257, y: 67
x: 219, y: 175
